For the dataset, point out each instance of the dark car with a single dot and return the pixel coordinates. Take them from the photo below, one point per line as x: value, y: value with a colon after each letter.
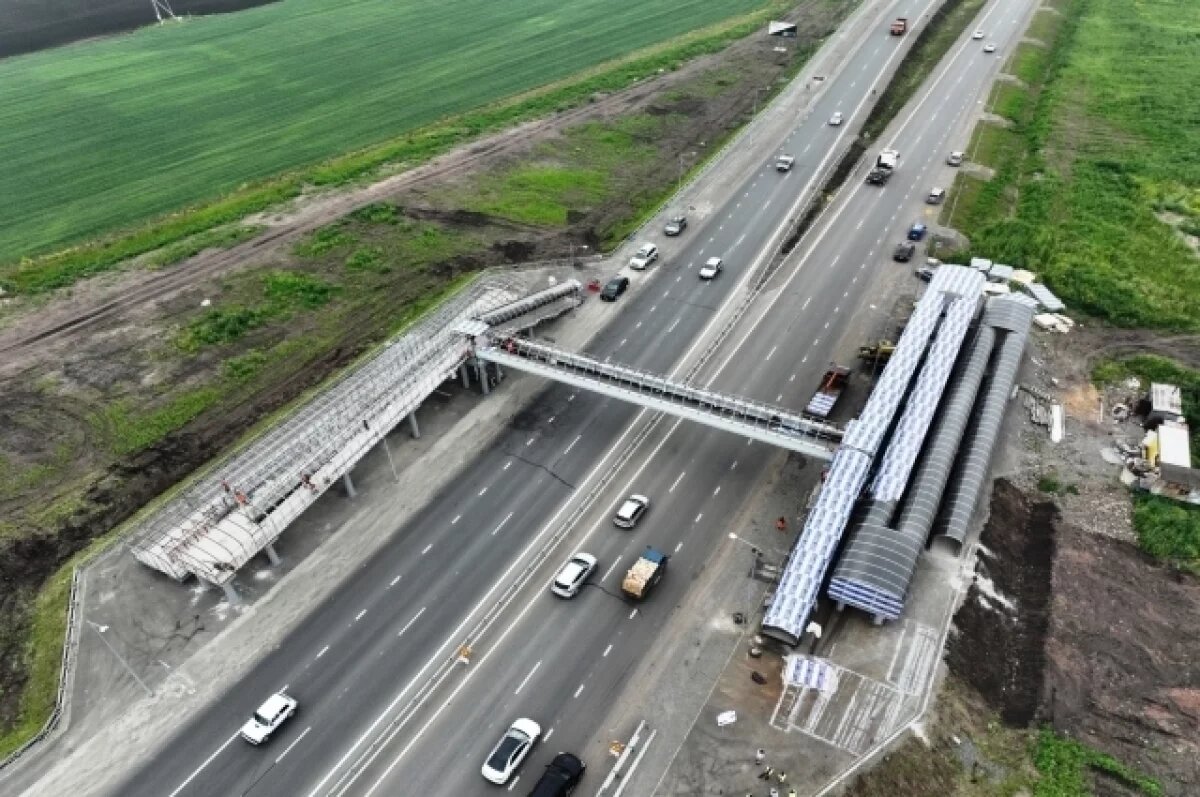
x: 676, y: 225
x: 925, y: 273
x: 904, y: 252
x: 561, y: 777
x: 615, y: 287
x: 917, y: 231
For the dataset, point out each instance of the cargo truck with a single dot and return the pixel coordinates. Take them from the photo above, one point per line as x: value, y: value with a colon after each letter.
x: 833, y: 384
x: 899, y: 26
x: 885, y: 164
x: 646, y: 572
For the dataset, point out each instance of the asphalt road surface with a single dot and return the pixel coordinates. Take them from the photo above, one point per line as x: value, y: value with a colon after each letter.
x: 357, y: 662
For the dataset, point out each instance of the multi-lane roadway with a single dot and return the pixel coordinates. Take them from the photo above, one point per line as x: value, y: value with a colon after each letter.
x: 361, y: 660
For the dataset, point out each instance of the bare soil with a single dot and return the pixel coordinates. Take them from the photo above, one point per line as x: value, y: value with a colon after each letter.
x: 111, y: 342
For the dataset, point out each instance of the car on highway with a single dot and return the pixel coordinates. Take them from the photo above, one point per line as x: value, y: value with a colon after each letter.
x: 275, y: 711
x: 631, y: 511
x: 511, y: 750
x: 643, y: 257
x: 614, y: 288
x: 784, y: 163
x: 561, y: 777
x: 904, y: 251
x: 917, y: 231
x: 676, y: 225
x: 989, y: 48
x: 836, y: 119
x: 925, y: 273
x: 977, y: 34
x: 936, y: 195
x: 711, y: 268
x: 954, y: 158
x: 573, y: 575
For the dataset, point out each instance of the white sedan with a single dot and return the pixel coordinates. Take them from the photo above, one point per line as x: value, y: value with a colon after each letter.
x: 989, y: 48
x: 977, y: 34
x: 836, y: 119
x: 573, y: 575
x: 270, y: 715
x: 711, y: 268
x: 511, y: 751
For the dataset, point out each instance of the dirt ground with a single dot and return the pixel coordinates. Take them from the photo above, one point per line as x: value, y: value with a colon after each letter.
x: 87, y: 372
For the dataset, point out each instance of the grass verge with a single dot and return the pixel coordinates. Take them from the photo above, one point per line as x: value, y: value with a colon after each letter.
x: 1063, y: 765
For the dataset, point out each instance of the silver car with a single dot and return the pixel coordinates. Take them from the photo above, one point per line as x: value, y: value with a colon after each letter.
x: 270, y: 715
x: 631, y: 511
x: 573, y: 575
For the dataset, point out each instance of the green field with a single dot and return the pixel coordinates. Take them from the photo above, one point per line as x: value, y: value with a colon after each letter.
x: 103, y: 134
x: 1098, y: 180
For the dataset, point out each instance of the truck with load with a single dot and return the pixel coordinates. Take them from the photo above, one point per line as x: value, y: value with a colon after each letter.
x: 885, y: 164
x: 646, y: 572
x: 833, y: 384
x: 899, y: 26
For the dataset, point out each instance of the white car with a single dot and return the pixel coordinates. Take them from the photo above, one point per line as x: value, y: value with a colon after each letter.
x: 936, y: 196
x: 711, y: 268
x: 836, y: 119
x: 644, y: 257
x: 270, y: 715
x: 977, y: 34
x: 511, y: 751
x: 573, y: 575
x: 784, y: 163
x: 631, y: 511
x: 989, y: 48
x: 955, y: 158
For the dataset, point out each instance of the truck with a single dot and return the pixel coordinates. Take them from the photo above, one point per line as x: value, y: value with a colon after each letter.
x: 833, y: 384
x: 899, y: 26
x: 646, y: 572
x: 885, y: 164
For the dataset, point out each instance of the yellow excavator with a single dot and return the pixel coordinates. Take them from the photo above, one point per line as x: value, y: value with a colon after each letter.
x: 877, y: 352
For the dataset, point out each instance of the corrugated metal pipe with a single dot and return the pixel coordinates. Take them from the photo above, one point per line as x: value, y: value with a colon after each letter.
x: 1013, y: 317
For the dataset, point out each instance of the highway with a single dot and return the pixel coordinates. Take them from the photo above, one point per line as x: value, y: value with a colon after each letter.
x: 357, y: 662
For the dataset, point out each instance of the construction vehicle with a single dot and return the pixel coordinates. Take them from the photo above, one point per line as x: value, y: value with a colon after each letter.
x: 833, y: 384
x: 899, y: 26
x: 885, y: 164
x: 877, y: 352
x: 646, y: 572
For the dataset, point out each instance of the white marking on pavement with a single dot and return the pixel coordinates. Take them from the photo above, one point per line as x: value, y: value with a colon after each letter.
x: 323, y: 651
x: 633, y: 614
x: 607, y: 650
x: 573, y: 442
x: 734, y: 465
x: 393, y: 581
x: 792, y: 378
x: 425, y: 550
x: 529, y: 442
x: 677, y: 481
x: 718, y: 490
x: 674, y: 324
x: 293, y: 744
x: 678, y: 546
x: 772, y: 351
x: 610, y: 569
x: 200, y: 768
x: 578, y: 691
x: 806, y: 301
x: 359, y: 616
x: 507, y: 465
x: 527, y: 677
x: 410, y: 622
x: 507, y: 518
x: 481, y: 492
x: 697, y: 520
x: 452, y: 522
x: 549, y: 733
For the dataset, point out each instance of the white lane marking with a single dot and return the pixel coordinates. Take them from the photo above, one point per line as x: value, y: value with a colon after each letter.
x: 552, y: 417
x: 678, y: 479
x: 323, y: 651
x: 679, y: 278
x: 408, y: 625
x: 678, y: 546
x: 697, y: 520
x: 200, y: 768
x: 637, y: 760
x: 804, y: 359
x: 734, y: 465
x: 610, y: 569
x: 578, y: 691
x: 607, y: 650
x: 623, y: 342
x: 717, y: 491
x: 666, y: 293
x: 481, y: 492
x: 806, y: 301
x: 633, y: 614
x: 529, y: 442
x: 527, y: 677
x: 359, y: 616
x: 578, y: 437
x: 792, y: 378
x: 507, y: 518
x: 827, y: 325
x: 426, y: 549
x: 549, y: 733
x: 637, y: 325
x: 771, y: 352
x: 807, y: 148
x: 392, y: 583
x: 572, y: 396
x: 653, y: 307
x: 738, y: 242
x: 452, y: 522
x: 779, y: 399
x: 293, y: 744
x: 513, y: 784
x: 860, y: 224
x: 674, y: 324
x: 815, y: 342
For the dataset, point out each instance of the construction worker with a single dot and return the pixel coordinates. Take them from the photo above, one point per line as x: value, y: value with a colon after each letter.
x: 781, y: 524
x: 766, y: 773
x: 759, y: 756
x: 783, y: 777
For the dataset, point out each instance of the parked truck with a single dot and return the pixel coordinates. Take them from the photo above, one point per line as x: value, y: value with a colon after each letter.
x: 833, y: 384
x: 885, y: 164
x: 646, y: 572
x: 899, y: 26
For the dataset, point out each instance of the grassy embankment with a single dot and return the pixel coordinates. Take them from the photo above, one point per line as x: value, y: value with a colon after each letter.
x: 136, y: 162
x: 1096, y: 181
x: 971, y: 753
x: 353, y: 275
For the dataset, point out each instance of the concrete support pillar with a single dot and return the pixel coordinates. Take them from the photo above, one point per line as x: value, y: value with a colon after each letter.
x: 231, y: 594
x: 464, y: 373
x: 412, y: 423
x: 348, y: 485
x: 481, y: 372
x: 272, y: 555
x: 841, y: 606
x: 877, y: 619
